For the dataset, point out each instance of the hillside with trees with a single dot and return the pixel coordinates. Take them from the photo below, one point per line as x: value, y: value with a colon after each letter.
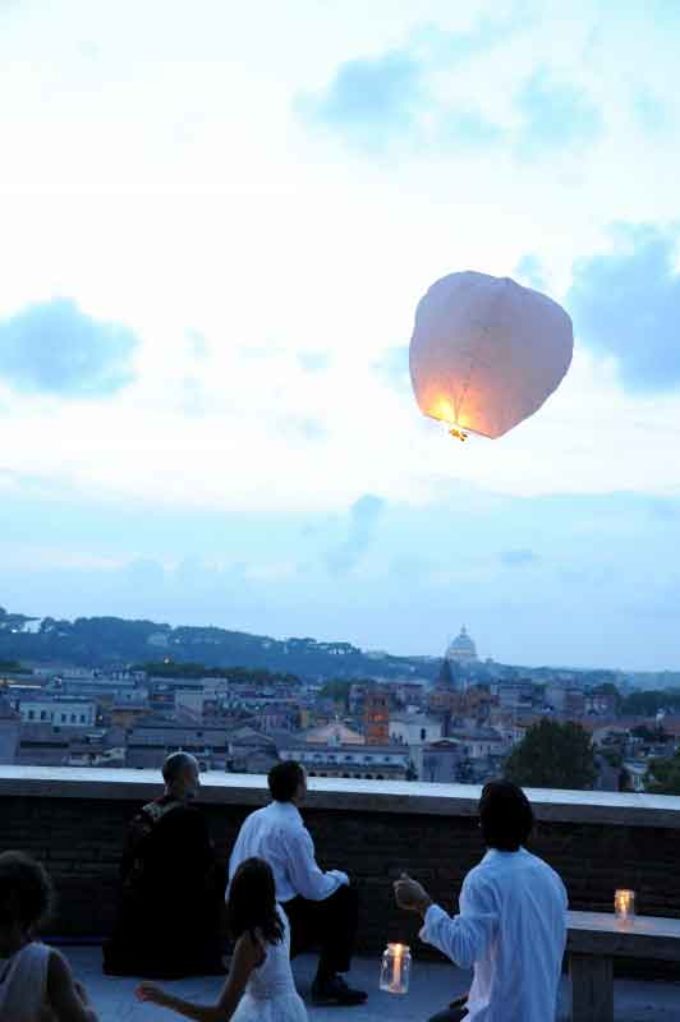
x: 109, y: 641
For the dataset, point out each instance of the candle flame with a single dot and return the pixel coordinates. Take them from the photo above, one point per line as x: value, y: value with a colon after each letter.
x: 624, y: 902
x: 396, y: 982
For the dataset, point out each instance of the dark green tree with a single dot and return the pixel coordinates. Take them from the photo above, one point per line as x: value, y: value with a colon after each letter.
x: 648, y: 704
x: 614, y: 757
x: 553, y: 755
x: 337, y: 689
x: 663, y: 775
x: 448, y: 675
x: 650, y: 734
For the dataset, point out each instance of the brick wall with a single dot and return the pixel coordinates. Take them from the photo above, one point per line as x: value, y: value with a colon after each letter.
x: 80, y: 840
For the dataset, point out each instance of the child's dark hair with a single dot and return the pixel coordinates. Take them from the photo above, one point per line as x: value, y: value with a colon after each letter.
x: 252, y: 902
x: 26, y: 893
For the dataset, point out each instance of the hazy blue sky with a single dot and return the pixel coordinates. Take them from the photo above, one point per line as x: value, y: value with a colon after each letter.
x: 216, y: 221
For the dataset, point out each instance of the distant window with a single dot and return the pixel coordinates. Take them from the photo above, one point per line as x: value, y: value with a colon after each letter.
x: 43, y: 714
x: 423, y: 734
x: 73, y: 718
x: 31, y: 714
x: 63, y: 718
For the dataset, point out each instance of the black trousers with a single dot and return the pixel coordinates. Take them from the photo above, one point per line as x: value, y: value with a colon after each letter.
x: 329, y: 925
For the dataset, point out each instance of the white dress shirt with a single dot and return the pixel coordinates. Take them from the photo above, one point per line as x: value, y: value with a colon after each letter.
x: 278, y: 835
x: 512, y: 928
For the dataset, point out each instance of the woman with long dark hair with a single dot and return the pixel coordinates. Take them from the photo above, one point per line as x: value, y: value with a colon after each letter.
x: 260, y: 985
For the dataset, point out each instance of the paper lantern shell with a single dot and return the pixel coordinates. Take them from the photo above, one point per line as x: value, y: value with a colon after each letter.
x: 487, y: 352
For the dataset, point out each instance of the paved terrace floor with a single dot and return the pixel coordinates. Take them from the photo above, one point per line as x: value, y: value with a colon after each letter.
x: 432, y: 986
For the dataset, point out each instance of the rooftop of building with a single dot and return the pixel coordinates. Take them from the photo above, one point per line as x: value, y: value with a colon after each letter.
x: 40, y: 695
x: 479, y: 733
x: 335, y: 733
x: 414, y: 717
x: 299, y: 745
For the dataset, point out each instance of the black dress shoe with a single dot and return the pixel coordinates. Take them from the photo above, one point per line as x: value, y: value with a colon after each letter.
x: 336, y: 991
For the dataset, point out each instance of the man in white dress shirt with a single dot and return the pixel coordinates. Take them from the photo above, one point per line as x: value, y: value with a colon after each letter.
x: 321, y: 907
x: 512, y: 922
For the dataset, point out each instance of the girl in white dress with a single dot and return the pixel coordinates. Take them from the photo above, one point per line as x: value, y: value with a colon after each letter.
x: 260, y: 985
x: 36, y: 984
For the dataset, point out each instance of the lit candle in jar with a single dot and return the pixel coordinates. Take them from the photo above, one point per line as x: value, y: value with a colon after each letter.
x: 396, y: 967
x: 624, y: 904
x: 398, y: 960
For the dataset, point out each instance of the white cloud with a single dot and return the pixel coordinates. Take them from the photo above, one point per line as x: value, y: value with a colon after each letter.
x: 154, y: 171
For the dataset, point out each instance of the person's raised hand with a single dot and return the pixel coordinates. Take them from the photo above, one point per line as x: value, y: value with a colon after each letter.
x: 150, y: 992
x: 411, y: 895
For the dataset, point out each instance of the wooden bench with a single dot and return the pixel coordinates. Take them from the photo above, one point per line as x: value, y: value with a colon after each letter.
x: 595, y: 939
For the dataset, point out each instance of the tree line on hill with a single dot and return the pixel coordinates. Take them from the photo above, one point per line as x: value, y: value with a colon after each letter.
x: 107, y: 641
x: 190, y: 671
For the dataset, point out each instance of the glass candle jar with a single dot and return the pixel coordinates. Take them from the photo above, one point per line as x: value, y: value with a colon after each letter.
x: 624, y: 904
x: 396, y: 969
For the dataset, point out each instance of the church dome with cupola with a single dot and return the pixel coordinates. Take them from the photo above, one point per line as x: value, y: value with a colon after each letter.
x: 462, y: 650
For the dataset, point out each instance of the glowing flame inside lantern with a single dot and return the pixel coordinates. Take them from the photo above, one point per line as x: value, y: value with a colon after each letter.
x: 443, y: 410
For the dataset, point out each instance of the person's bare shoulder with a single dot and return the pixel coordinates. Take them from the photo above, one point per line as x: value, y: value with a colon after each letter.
x: 252, y: 949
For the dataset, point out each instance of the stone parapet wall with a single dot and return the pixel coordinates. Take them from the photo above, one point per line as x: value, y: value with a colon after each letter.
x: 74, y: 821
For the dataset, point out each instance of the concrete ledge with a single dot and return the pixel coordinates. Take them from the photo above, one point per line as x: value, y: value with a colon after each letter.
x: 75, y: 819
x: 600, y: 933
x: 554, y: 806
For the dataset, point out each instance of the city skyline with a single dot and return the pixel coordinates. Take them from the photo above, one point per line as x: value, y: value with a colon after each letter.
x: 214, y: 241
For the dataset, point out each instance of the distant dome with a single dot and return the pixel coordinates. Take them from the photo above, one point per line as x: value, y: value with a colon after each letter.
x: 462, y: 649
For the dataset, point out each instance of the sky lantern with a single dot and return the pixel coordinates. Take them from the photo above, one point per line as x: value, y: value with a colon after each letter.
x: 486, y: 352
